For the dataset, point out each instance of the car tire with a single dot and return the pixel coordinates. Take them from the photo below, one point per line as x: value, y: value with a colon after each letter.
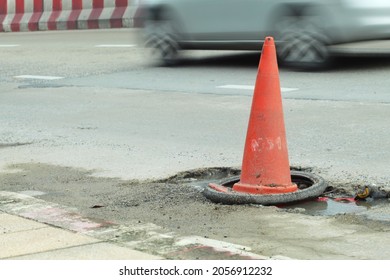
x: 302, y: 43
x: 161, y: 38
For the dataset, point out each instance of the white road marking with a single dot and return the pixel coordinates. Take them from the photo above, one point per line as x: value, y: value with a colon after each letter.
x: 217, y: 245
x: 246, y: 87
x: 33, y: 77
x: 115, y: 46
x: 288, y: 89
x: 8, y: 46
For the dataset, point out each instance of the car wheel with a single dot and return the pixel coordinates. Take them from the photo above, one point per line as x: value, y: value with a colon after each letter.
x: 302, y: 43
x: 161, y: 38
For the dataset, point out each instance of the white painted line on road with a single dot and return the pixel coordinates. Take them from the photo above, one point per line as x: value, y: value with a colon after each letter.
x: 115, y: 46
x: 8, y: 46
x: 32, y: 77
x: 284, y: 89
x: 246, y: 87
x: 218, y: 245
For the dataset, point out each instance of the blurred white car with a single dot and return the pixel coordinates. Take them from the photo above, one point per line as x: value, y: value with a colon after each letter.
x: 303, y: 29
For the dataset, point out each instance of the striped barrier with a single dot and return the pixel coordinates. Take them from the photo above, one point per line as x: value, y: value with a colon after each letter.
x: 33, y: 15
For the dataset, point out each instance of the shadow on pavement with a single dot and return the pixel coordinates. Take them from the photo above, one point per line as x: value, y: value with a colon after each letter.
x: 250, y: 60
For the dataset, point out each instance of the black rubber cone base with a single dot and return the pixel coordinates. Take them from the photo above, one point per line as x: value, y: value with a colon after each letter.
x: 309, y: 186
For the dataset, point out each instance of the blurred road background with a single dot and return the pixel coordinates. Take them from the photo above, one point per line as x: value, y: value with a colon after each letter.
x: 101, y: 96
x: 93, y: 100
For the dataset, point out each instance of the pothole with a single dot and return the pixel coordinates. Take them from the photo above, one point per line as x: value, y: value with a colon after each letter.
x: 201, y: 175
x: 166, y: 196
x: 335, y: 200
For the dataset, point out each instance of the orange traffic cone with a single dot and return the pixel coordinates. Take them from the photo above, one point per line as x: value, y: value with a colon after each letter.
x: 265, y: 165
x: 266, y: 177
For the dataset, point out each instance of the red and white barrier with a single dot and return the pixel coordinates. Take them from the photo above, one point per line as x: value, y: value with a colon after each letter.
x: 3, y: 12
x: 20, y: 15
x: 32, y: 15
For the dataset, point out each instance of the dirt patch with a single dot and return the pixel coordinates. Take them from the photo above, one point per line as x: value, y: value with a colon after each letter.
x: 177, y: 205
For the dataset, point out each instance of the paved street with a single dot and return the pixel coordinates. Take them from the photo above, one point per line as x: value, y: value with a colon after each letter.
x: 103, y: 94
x: 91, y: 104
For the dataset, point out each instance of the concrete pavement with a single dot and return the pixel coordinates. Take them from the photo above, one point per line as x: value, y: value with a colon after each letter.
x: 34, y: 229
x: 22, y: 238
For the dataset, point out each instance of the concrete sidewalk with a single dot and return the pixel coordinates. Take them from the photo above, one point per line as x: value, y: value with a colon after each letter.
x: 21, y: 238
x: 32, y: 228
